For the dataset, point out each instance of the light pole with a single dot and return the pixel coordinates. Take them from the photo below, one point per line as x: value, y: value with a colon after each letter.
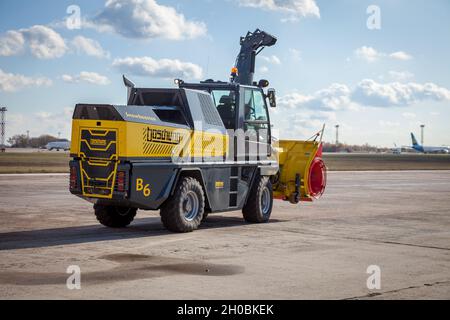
x: 422, y: 126
x: 2, y: 128
x: 337, y: 135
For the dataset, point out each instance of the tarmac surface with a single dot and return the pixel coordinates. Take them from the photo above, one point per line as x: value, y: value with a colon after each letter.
x: 398, y: 221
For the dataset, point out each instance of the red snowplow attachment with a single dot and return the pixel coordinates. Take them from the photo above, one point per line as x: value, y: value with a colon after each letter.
x: 317, y: 175
x: 303, y: 174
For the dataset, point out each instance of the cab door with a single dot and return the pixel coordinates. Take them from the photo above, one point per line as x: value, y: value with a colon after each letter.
x: 256, y: 124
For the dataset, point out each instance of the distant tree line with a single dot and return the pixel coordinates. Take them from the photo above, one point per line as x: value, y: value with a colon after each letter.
x: 23, y: 141
x: 342, y: 147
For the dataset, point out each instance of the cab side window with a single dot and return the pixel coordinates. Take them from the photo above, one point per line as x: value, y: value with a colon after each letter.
x: 255, y: 107
x: 256, y: 116
x: 226, y: 106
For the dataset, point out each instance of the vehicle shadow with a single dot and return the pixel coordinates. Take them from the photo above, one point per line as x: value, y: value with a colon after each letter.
x: 140, y: 228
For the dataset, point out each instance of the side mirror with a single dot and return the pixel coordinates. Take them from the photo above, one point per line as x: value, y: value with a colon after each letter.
x: 272, y: 98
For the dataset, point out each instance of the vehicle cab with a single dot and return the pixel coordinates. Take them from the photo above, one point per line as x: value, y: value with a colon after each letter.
x: 244, y: 113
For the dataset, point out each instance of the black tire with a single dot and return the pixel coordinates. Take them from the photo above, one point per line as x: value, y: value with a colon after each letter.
x: 114, y: 216
x: 183, y: 212
x: 256, y: 210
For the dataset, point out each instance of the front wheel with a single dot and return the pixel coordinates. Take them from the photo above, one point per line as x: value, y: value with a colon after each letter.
x: 184, y: 211
x: 114, y: 216
x: 260, y: 201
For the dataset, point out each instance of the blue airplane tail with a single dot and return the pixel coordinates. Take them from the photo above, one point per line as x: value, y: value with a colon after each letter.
x: 414, y: 141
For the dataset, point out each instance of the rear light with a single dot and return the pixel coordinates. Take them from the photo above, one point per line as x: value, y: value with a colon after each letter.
x: 73, y: 178
x: 121, y: 180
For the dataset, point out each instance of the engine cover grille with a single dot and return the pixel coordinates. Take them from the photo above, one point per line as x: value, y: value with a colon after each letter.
x: 99, y: 160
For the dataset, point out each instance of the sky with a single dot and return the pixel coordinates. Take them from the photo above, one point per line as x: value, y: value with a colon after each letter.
x: 379, y: 69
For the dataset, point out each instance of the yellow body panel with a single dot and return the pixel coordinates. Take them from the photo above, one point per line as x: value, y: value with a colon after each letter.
x: 294, y: 157
x: 140, y: 140
x: 133, y: 140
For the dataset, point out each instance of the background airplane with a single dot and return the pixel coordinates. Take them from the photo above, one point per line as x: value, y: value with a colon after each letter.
x: 396, y: 150
x: 427, y: 149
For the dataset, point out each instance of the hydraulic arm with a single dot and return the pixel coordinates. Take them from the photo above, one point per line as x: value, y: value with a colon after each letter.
x: 251, y: 45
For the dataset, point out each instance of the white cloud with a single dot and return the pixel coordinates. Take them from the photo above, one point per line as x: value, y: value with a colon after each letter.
x: 335, y: 97
x: 89, y: 46
x: 43, y: 122
x: 11, y: 43
x: 388, y: 124
x: 10, y: 82
x: 45, y: 115
x: 400, y: 55
x: 271, y: 59
x: 295, y: 8
x: 263, y: 69
x: 409, y: 115
x: 369, y: 54
x: 368, y: 92
x: 43, y: 42
x: 301, y: 124
x: 163, y: 68
x: 89, y: 77
x: 401, y: 75
x: 145, y: 19
x: 295, y: 54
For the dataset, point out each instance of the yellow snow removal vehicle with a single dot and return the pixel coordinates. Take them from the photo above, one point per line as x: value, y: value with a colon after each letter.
x: 198, y: 149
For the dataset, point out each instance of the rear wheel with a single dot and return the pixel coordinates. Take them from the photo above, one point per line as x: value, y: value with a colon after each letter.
x: 184, y: 211
x: 114, y: 216
x: 260, y: 201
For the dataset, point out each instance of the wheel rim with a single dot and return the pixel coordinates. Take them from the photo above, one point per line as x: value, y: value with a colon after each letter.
x: 190, y: 206
x: 265, y: 201
x: 122, y: 211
